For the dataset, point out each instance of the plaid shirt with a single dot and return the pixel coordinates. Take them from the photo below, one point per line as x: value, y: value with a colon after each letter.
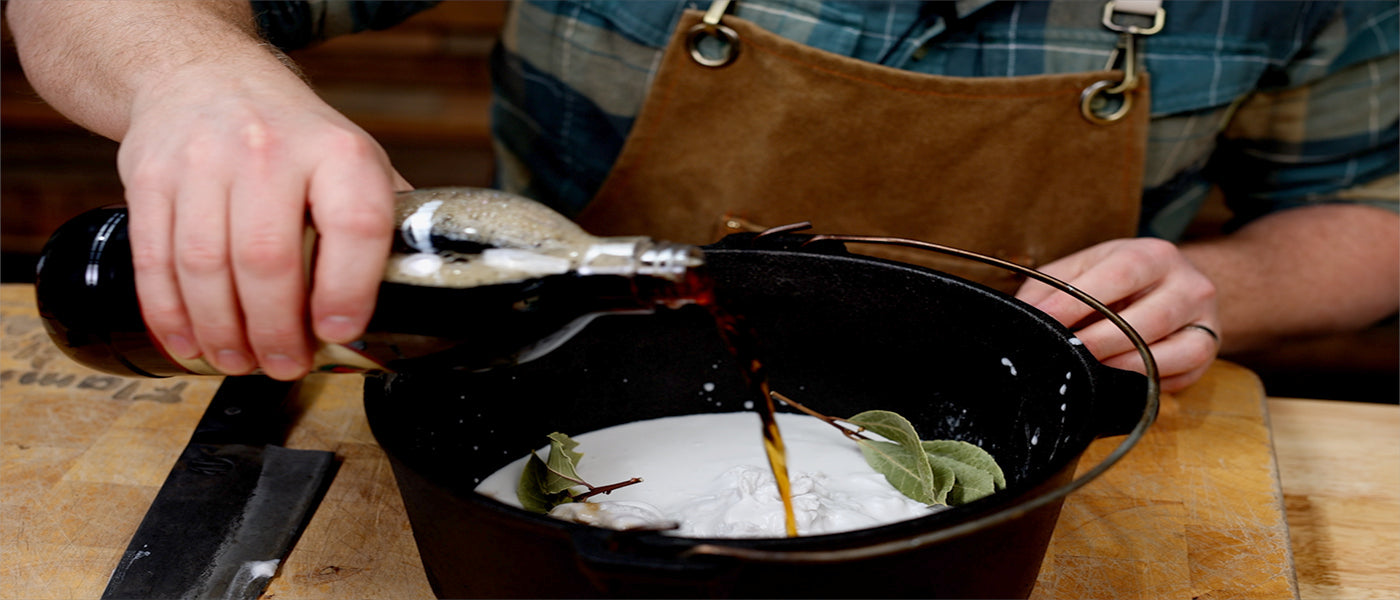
x: 1279, y: 104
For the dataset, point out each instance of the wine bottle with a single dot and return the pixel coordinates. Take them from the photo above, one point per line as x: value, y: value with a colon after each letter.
x: 476, y: 279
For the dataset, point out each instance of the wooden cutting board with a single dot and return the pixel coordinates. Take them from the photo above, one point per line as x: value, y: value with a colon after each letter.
x: 1195, y: 511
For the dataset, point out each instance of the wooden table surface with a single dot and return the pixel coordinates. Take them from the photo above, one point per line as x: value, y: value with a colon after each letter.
x: 1195, y: 511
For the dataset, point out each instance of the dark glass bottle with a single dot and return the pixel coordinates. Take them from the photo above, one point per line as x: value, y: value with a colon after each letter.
x: 477, y: 279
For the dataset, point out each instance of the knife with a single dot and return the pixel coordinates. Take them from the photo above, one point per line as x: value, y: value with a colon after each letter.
x: 233, y: 505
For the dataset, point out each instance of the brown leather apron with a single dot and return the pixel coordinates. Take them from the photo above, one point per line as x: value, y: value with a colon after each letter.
x: 786, y: 133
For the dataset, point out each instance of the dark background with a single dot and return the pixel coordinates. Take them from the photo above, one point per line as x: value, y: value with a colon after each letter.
x: 422, y: 90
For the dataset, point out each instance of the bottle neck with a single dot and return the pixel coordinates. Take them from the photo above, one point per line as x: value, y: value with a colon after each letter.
x: 617, y: 256
x: 640, y: 257
x: 660, y: 273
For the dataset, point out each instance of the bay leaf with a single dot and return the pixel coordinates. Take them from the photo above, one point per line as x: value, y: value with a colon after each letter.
x: 902, y: 459
x: 902, y: 468
x: 562, y: 464
x: 975, y: 472
x: 967, y: 453
x: 546, y: 483
x: 944, y: 481
x: 949, y: 472
x: 531, y: 487
x: 889, y: 425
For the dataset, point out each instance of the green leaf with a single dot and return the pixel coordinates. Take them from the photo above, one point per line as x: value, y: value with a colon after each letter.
x: 944, y: 481
x: 970, y: 454
x: 545, y: 484
x: 531, y: 487
x: 975, y: 473
x: 901, y: 460
x: 562, y: 464
x: 901, y: 468
x: 948, y: 472
x: 888, y: 425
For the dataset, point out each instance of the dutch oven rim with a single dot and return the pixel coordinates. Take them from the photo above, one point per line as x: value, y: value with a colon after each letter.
x: 993, y: 514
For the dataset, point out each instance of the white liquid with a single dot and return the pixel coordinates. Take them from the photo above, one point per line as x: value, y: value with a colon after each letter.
x: 708, y: 473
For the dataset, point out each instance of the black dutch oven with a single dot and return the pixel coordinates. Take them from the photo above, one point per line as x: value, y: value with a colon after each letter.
x: 843, y: 333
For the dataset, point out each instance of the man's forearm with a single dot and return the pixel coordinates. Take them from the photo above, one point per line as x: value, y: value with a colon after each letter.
x: 92, y: 60
x: 1313, y: 270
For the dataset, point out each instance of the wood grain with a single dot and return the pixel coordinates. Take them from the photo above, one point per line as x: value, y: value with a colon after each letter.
x: 1340, y: 468
x: 82, y: 457
x: 1195, y: 511
x: 82, y: 454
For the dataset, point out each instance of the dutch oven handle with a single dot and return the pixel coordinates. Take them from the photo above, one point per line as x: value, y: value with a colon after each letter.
x: 1123, y: 404
x: 623, y: 564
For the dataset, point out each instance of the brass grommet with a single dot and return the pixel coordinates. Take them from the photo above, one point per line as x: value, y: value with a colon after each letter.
x: 728, y: 37
x: 1098, y: 89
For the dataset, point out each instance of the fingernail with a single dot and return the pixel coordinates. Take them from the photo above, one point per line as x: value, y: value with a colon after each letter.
x: 281, y: 366
x: 233, y: 361
x: 180, y: 346
x: 338, y: 329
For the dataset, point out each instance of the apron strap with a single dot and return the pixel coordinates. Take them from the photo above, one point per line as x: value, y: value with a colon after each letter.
x: 716, y: 12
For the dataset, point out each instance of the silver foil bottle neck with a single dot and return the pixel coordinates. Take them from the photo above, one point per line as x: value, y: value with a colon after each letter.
x: 669, y: 260
x: 641, y: 256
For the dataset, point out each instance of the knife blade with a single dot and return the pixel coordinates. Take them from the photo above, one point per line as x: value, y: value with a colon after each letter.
x: 233, y: 505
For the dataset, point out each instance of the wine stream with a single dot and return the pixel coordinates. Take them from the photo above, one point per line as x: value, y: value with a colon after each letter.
x: 742, y: 341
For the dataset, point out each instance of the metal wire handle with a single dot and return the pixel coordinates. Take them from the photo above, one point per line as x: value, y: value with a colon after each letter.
x: 1149, y: 415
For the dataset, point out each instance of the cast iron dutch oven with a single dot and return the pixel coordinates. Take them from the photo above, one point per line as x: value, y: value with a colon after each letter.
x: 843, y: 333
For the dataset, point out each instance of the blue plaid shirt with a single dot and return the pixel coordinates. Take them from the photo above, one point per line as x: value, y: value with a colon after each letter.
x: 1279, y: 104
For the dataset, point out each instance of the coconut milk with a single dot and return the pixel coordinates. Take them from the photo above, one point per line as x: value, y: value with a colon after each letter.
x: 709, y: 475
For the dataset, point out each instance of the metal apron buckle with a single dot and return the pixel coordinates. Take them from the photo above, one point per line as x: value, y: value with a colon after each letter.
x: 1095, y: 98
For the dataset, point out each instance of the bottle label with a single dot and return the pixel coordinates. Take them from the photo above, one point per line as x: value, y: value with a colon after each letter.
x: 329, y: 358
x: 338, y: 358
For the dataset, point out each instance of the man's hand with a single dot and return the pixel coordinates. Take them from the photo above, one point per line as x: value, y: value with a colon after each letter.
x: 1151, y: 285
x: 227, y: 156
x: 221, y: 178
